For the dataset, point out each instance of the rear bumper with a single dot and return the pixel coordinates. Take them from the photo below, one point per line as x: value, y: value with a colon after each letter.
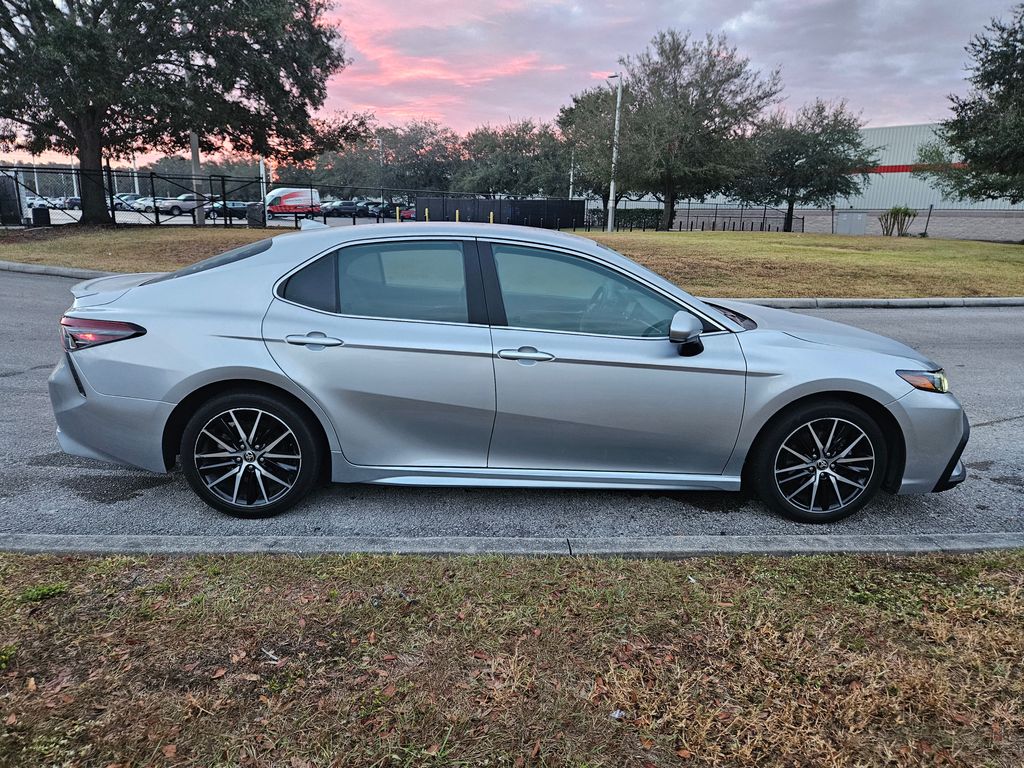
x: 123, y: 430
x: 955, y: 472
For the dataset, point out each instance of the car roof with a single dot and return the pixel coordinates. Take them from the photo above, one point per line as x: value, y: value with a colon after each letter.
x: 338, y: 236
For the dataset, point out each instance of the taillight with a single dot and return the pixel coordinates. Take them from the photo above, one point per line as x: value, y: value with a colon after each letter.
x: 79, y: 332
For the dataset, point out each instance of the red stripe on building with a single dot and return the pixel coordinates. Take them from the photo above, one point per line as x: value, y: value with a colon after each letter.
x: 909, y: 168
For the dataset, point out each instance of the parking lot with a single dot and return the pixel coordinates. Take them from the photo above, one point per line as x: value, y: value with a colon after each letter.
x: 43, y: 491
x: 59, y: 216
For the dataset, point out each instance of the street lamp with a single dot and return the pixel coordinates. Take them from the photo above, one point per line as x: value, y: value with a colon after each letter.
x: 615, y: 151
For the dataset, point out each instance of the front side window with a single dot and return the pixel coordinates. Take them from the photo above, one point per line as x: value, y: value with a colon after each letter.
x: 557, y: 292
x: 401, y: 281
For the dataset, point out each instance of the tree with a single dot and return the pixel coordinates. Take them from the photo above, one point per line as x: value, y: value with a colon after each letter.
x: 695, y: 101
x: 587, y: 126
x: 810, y: 159
x: 119, y: 77
x: 978, y: 153
x: 519, y: 159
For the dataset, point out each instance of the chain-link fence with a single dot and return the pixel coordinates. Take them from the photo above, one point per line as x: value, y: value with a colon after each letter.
x: 53, y: 196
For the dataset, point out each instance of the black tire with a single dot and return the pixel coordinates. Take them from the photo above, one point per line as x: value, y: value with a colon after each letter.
x: 209, y: 428
x: 175, y: 210
x: 837, y: 474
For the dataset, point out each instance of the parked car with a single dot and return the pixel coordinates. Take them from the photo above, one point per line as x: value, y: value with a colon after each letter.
x: 289, y: 201
x: 408, y: 214
x: 235, y: 209
x: 383, y: 210
x: 469, y: 354
x: 146, y: 204
x: 348, y: 208
x: 123, y: 201
x: 185, y: 203
x: 70, y: 203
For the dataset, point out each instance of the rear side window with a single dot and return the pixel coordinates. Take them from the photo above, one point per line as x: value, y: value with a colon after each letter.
x: 401, y: 281
x: 228, y: 257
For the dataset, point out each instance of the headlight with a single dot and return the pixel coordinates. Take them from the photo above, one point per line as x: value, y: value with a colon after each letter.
x: 929, y: 381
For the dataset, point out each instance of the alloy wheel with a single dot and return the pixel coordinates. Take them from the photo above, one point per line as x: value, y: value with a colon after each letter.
x: 247, y: 457
x: 824, y: 465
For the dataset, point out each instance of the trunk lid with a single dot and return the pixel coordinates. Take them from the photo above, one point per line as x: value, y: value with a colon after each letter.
x: 104, y: 290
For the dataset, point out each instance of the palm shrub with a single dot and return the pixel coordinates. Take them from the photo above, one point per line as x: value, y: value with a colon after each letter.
x: 897, y: 219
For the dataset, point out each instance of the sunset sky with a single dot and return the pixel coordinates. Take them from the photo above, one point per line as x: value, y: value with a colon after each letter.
x: 470, y: 62
x: 467, y: 62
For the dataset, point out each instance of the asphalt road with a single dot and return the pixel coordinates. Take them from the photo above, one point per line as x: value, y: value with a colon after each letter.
x: 43, y: 491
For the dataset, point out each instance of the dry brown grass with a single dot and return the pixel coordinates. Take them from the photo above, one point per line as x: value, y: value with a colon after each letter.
x: 280, y: 661
x: 751, y: 264
x: 705, y: 263
x: 126, y: 249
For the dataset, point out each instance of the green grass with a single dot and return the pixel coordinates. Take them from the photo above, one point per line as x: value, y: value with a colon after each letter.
x: 722, y: 264
x: 382, y: 661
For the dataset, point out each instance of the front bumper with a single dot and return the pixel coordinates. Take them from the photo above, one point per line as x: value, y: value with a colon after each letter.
x: 935, y: 432
x: 123, y: 430
x: 955, y: 472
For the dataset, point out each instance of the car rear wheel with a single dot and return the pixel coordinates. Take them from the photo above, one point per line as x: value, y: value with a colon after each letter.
x: 250, y: 455
x: 175, y: 210
x: 820, y: 463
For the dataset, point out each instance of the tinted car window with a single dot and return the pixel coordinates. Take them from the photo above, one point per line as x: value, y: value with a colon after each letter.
x: 228, y: 257
x: 314, y: 285
x: 553, y: 291
x: 406, y: 281
x: 403, y: 281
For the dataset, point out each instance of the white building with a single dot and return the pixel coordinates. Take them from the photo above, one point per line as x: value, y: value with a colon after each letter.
x: 893, y: 182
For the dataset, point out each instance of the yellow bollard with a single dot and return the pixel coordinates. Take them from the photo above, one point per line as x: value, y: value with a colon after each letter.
x: 398, y: 214
x: 490, y: 217
x: 426, y: 214
x: 456, y: 214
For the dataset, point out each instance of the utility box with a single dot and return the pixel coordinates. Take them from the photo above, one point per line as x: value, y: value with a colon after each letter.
x: 40, y: 217
x: 254, y: 215
x: 851, y: 222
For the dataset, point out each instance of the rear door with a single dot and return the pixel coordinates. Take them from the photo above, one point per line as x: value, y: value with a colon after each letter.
x: 587, y: 379
x: 390, y: 337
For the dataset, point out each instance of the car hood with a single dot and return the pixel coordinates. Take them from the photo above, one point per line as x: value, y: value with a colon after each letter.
x: 819, y: 331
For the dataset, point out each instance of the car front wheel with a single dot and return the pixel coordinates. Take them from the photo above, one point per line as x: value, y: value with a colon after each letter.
x: 250, y: 455
x: 820, y: 463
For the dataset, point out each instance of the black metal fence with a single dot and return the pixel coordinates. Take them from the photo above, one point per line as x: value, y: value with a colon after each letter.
x: 52, y: 196
x: 690, y: 216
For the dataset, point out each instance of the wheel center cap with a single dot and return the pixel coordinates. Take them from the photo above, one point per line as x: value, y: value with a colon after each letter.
x: 822, y: 464
x: 249, y: 456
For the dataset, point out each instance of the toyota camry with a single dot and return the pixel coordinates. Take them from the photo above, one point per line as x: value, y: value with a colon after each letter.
x: 481, y: 355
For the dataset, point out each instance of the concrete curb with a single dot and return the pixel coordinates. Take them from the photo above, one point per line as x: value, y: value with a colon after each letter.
x: 923, y: 303
x: 44, y: 269
x: 778, y: 303
x: 665, y: 547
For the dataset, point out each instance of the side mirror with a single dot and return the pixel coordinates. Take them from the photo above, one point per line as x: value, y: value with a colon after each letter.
x: 685, y: 330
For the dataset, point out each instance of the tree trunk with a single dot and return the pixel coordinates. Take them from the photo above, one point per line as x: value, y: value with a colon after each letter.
x: 91, y: 187
x: 668, y: 212
x: 788, y: 225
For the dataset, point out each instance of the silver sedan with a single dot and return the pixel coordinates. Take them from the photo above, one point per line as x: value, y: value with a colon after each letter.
x: 481, y: 355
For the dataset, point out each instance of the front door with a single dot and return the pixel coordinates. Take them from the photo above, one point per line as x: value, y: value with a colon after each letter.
x: 388, y: 339
x: 587, y: 379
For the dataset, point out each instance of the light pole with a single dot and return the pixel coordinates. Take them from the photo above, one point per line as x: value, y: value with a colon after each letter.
x: 615, y: 152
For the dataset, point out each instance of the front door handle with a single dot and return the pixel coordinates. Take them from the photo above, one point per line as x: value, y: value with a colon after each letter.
x: 313, y: 339
x: 525, y: 353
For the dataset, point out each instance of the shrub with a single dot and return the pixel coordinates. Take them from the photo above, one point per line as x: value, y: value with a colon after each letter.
x: 898, y: 219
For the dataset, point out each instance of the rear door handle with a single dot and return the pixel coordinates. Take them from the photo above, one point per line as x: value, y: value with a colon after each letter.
x: 525, y: 353
x: 313, y: 339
